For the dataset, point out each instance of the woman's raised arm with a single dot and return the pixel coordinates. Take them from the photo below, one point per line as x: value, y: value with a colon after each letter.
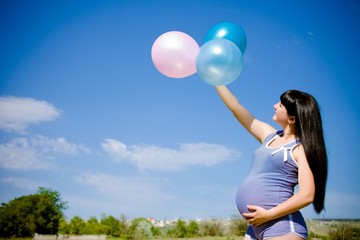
x: 257, y: 128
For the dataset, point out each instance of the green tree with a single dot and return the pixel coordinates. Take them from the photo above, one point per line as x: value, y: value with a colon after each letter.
x: 180, y: 229
x: 54, y: 198
x: 143, y: 230
x: 35, y: 213
x: 183, y: 230
x: 77, y: 225
x: 192, y: 229
x: 92, y: 226
x: 123, y: 227
x: 64, y: 227
x: 111, y: 226
x: 135, y: 233
x: 156, y: 231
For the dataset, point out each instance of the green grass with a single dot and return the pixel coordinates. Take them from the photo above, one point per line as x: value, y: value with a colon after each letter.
x: 195, y: 238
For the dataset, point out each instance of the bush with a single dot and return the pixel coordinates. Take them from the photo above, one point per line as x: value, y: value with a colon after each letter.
x: 237, y: 227
x: 192, y: 230
x: 344, y: 231
x: 211, y: 228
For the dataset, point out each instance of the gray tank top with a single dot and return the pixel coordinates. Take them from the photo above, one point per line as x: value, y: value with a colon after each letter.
x: 272, y: 176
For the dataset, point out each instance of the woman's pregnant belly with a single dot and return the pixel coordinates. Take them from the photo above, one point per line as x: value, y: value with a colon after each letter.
x: 259, y: 192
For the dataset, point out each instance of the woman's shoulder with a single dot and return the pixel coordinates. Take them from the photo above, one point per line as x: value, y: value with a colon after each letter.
x: 272, y: 135
x: 298, y: 152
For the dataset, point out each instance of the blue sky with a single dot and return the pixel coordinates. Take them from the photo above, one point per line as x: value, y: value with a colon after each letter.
x: 84, y: 111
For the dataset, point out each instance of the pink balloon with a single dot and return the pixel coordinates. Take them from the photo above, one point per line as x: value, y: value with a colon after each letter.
x: 174, y: 53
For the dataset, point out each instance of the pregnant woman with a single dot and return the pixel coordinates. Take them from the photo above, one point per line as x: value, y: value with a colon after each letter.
x: 294, y: 155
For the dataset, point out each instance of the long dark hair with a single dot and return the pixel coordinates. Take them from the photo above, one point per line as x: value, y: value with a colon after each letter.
x: 308, y: 129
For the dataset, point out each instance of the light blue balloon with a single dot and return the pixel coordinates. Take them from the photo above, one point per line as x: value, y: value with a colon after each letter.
x: 219, y: 62
x: 230, y: 31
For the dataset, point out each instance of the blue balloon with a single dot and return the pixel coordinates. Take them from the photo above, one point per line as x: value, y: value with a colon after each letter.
x: 219, y: 62
x: 230, y: 31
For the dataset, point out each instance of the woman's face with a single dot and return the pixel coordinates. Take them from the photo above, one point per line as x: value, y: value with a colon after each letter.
x: 281, y: 116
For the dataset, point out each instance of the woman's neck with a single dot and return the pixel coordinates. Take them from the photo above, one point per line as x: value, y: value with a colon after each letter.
x: 288, y: 133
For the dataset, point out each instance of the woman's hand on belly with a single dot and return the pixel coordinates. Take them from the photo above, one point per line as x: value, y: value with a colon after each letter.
x: 256, y: 215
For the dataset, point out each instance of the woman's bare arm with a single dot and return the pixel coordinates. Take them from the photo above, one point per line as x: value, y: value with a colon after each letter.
x: 257, y: 128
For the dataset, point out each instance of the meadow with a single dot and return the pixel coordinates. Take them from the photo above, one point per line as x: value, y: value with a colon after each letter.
x: 318, y: 229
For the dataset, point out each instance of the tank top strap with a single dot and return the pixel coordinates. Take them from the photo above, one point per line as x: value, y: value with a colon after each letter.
x: 271, y: 136
x: 287, y: 148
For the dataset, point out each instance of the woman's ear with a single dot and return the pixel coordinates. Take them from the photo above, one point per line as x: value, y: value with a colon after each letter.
x: 291, y: 120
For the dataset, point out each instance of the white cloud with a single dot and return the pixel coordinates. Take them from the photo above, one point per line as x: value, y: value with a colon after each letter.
x: 58, y: 145
x: 22, y: 183
x: 166, y: 159
x: 17, y: 114
x: 36, y: 152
